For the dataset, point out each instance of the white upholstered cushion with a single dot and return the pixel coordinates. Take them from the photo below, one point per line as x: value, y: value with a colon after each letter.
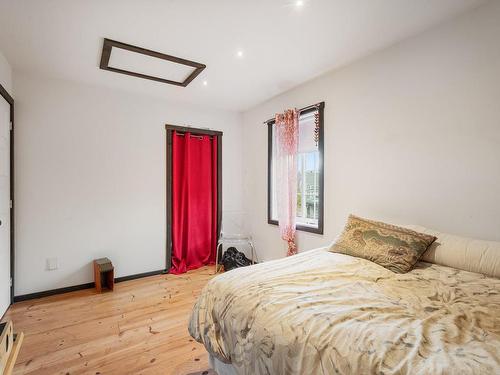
x: 461, y: 252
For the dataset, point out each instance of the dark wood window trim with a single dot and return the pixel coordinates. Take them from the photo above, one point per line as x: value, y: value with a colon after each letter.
x: 321, y: 148
x: 10, y: 100
x: 106, y: 54
x: 170, y: 130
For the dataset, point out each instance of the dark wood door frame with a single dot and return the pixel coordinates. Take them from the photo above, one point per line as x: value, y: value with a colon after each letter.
x: 10, y: 100
x: 214, y: 133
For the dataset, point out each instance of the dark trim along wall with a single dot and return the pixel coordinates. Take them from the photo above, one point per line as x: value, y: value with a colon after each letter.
x: 4, y: 94
x: 74, y: 288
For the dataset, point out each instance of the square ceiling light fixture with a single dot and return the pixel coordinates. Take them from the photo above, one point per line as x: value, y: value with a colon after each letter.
x: 143, y: 63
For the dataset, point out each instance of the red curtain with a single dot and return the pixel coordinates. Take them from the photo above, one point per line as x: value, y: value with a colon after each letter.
x: 194, y: 201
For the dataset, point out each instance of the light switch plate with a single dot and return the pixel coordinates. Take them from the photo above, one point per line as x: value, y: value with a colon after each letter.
x: 52, y: 264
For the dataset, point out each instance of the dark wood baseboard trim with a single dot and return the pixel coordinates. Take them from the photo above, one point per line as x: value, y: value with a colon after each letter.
x: 138, y: 276
x: 47, y: 293
x: 74, y: 288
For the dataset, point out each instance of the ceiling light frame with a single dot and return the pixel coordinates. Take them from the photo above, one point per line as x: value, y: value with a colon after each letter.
x: 109, y: 44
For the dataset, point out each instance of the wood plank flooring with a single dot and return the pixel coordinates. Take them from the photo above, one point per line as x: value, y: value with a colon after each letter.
x: 140, y: 328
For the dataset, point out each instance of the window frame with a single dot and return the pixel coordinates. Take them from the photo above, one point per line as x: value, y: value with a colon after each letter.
x: 321, y: 143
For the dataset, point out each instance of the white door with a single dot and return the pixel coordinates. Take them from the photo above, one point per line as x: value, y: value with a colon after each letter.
x: 4, y: 205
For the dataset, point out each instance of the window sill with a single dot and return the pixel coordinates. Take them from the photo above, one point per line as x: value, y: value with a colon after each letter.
x: 302, y: 228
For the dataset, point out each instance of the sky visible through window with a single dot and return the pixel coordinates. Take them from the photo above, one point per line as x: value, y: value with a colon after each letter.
x: 308, y: 188
x: 311, y: 160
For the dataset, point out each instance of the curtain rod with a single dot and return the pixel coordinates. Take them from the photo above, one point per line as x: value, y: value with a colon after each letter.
x: 194, y: 135
x: 318, y: 105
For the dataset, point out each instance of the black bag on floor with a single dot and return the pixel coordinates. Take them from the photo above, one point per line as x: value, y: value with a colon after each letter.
x: 233, y: 258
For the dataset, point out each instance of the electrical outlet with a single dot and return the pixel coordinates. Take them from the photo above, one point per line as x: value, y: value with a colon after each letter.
x: 52, y: 264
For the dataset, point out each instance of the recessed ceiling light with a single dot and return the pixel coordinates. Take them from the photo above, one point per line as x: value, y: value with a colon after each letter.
x: 299, y: 3
x: 205, y: 83
x: 239, y: 53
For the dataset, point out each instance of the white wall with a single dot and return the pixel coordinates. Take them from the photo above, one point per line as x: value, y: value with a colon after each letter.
x: 412, y: 135
x: 90, y: 178
x: 5, y: 74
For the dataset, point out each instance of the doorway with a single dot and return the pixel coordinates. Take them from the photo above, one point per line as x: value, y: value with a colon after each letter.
x: 6, y: 200
x: 194, y: 197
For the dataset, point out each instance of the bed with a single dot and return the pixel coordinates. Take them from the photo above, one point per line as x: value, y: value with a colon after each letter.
x: 320, y: 312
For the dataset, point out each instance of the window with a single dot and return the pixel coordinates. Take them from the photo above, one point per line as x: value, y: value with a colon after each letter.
x: 309, y: 172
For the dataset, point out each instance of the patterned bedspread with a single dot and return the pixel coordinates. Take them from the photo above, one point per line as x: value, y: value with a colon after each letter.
x: 325, y: 313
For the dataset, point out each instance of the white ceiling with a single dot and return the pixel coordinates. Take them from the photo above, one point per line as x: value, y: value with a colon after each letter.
x: 283, y: 46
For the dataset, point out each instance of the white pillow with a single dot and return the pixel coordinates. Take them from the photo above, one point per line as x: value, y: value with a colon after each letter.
x: 463, y: 253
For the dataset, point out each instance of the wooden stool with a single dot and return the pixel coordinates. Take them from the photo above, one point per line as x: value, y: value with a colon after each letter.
x: 10, y: 346
x: 104, y: 274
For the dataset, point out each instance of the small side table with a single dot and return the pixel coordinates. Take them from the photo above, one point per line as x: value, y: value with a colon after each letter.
x: 104, y: 274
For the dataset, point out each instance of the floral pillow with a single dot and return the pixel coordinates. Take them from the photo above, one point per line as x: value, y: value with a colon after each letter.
x: 392, y: 247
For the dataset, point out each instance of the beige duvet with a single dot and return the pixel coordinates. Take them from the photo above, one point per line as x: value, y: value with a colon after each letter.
x: 325, y: 313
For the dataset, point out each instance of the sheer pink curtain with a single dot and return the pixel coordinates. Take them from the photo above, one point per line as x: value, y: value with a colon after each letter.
x: 287, y: 139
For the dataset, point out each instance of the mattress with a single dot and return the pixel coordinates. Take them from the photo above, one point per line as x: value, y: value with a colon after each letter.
x: 325, y: 313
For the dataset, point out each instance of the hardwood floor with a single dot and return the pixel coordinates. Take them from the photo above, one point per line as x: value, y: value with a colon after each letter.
x: 140, y: 328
